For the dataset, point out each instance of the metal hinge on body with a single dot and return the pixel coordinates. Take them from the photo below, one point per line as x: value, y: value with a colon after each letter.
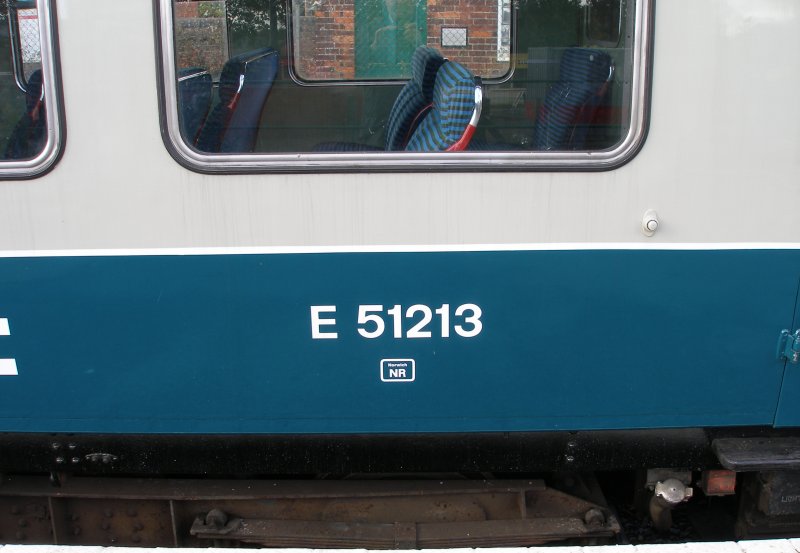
x: 789, y: 346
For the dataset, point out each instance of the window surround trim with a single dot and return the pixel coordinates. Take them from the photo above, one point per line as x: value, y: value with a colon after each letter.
x: 34, y: 167
x: 251, y: 163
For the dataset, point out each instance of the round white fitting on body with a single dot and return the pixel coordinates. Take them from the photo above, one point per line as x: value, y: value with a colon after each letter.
x: 650, y: 222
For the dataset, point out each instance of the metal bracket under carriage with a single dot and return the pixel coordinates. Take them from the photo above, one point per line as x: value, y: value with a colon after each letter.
x: 378, y: 514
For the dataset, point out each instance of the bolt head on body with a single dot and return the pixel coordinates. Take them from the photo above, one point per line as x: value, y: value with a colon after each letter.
x: 650, y: 222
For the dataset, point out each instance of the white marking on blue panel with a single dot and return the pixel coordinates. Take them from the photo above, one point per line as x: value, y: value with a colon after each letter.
x: 8, y: 367
x: 398, y: 370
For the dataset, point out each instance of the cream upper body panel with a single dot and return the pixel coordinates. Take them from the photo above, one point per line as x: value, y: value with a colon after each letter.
x: 720, y: 163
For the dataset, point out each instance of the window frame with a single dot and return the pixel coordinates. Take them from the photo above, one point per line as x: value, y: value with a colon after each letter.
x: 54, y: 143
x: 307, y: 162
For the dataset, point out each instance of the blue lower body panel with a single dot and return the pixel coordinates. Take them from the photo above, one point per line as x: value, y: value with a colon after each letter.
x: 481, y: 341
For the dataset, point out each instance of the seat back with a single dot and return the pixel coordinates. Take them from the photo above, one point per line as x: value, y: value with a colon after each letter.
x: 232, y: 126
x: 29, y: 134
x: 570, y: 104
x: 414, y: 97
x: 194, y: 100
x: 450, y: 123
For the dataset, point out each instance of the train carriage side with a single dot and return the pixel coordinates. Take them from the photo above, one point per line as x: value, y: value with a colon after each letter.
x: 370, y: 239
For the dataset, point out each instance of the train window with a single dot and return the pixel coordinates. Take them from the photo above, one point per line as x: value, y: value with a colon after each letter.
x: 30, y: 129
x: 371, y: 39
x: 259, y: 85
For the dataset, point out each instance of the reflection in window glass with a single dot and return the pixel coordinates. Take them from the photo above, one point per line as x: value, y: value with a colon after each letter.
x: 603, y: 22
x: 201, y: 35
x: 22, y: 107
x: 503, y: 30
x: 328, y: 76
x: 375, y: 39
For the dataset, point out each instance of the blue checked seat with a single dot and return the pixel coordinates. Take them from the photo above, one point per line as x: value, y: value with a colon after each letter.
x: 29, y: 134
x: 194, y: 100
x: 245, y: 82
x: 565, y: 117
x: 453, y: 108
x: 409, y: 107
x: 414, y: 98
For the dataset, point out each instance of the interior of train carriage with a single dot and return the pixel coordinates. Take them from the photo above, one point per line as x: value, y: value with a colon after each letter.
x: 334, y: 75
x: 22, y: 115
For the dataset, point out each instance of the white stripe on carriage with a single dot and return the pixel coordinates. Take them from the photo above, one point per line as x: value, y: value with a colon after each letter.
x: 411, y: 248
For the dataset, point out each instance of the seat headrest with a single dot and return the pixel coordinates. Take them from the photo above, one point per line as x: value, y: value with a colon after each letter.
x: 257, y: 67
x: 34, y: 92
x: 454, y: 97
x: 584, y: 72
x: 425, y: 63
x: 585, y: 65
x: 453, y: 106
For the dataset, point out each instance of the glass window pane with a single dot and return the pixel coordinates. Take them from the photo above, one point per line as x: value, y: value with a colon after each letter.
x: 24, y: 103
x: 375, y: 39
x: 360, y: 77
x: 22, y: 120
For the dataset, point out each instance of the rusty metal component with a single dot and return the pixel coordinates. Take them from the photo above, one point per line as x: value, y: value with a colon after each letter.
x: 718, y: 482
x: 594, y: 518
x: 215, y: 523
x: 417, y: 515
x: 25, y: 520
x: 314, y: 513
x: 83, y: 520
x: 398, y: 535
